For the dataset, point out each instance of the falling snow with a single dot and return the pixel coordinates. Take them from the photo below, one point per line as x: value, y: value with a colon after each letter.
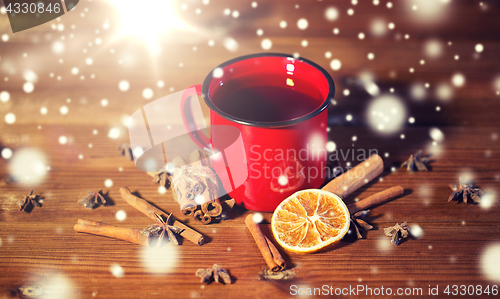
x: 63, y: 139
x: 114, y: 133
x: 123, y: 85
x: 7, y: 153
x: 147, y: 93
x: 160, y: 260
x: 378, y: 27
x: 487, y: 200
x: 121, y: 215
x: 386, y: 114
x: 335, y: 64
x: 218, y: 72
x: 433, y: 48
x: 108, y: 183
x: 257, y: 217
x: 266, y: 44
x: 10, y: 118
x: 418, y: 91
x: 4, y: 96
x: 28, y: 166
x: 330, y: 146
x: 331, y: 13
x: 302, y: 24
x: 458, y: 79
x: 117, y: 270
x: 28, y: 87
x: 489, y: 262
x: 63, y: 110
x: 230, y: 44
x: 479, y: 48
x: 444, y: 92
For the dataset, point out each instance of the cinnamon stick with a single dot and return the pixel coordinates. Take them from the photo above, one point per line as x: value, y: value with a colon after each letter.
x: 189, y: 212
x: 356, y: 177
x: 212, y: 208
x: 278, y: 259
x: 151, y: 211
x: 102, y: 229
x: 375, y: 199
x: 203, y: 218
x: 271, y: 255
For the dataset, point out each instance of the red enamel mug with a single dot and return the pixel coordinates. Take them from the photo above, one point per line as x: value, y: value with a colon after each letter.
x: 275, y: 106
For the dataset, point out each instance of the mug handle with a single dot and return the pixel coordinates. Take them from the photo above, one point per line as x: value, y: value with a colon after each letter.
x: 187, y: 116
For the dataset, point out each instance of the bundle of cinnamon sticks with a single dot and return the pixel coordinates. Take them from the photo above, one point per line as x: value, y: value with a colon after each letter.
x: 196, y: 188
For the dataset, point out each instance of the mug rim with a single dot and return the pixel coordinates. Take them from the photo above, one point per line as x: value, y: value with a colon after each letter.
x: 214, y: 108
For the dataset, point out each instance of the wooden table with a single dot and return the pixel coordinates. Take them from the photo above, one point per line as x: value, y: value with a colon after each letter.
x: 460, y: 242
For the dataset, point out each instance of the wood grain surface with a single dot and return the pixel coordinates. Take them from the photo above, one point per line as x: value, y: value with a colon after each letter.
x: 460, y: 242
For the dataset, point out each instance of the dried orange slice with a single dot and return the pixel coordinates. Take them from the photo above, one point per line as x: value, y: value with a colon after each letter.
x: 310, y: 220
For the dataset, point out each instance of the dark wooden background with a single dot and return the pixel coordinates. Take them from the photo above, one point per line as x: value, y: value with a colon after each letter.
x: 40, y: 248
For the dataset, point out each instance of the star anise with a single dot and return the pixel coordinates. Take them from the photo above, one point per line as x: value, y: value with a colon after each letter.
x: 126, y: 151
x: 465, y: 190
x: 416, y: 162
x: 359, y: 223
x: 27, y: 292
x: 94, y: 198
x: 30, y: 200
x: 268, y: 274
x: 397, y: 232
x: 161, y: 178
x: 164, y: 227
x: 219, y: 275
